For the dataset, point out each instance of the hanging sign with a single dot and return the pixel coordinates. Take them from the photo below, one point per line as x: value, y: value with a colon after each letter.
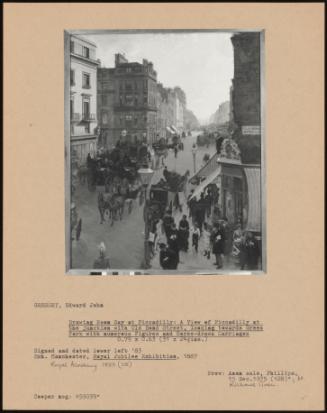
x: 251, y: 130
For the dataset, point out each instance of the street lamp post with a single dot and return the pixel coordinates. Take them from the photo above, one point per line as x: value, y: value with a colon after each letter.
x: 194, y: 150
x: 123, y: 135
x: 145, y: 175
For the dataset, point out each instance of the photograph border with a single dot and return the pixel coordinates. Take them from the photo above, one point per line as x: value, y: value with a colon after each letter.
x: 67, y: 184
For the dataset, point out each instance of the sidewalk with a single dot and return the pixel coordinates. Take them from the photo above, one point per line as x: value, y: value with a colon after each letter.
x: 191, y: 261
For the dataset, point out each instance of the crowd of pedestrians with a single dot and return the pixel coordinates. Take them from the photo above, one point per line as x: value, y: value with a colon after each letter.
x: 229, y: 246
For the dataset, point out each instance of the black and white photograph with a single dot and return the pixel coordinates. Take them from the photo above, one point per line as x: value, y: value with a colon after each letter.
x: 164, y: 152
x: 159, y: 162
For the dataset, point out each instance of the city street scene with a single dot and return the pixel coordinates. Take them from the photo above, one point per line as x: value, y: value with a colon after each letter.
x: 165, y: 152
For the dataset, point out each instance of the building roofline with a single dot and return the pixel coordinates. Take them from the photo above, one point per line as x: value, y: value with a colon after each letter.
x: 130, y: 63
x: 79, y: 37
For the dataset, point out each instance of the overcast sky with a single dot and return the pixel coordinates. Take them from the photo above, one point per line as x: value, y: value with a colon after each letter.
x: 200, y: 63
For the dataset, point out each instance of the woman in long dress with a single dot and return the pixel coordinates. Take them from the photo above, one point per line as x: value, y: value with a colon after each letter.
x: 206, y: 240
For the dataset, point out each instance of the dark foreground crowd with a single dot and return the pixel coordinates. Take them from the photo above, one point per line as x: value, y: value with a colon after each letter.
x: 219, y: 240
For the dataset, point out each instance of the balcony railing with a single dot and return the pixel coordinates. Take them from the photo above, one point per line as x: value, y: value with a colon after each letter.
x: 88, y: 117
x: 76, y: 53
x: 139, y: 107
x: 86, y: 86
x: 76, y: 117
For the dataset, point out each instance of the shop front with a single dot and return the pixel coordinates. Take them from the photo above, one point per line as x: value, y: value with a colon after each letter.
x: 82, y: 146
x: 238, y: 187
x: 240, y: 199
x: 232, y: 190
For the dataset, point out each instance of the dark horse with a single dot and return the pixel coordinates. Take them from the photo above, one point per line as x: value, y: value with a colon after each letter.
x: 113, y: 204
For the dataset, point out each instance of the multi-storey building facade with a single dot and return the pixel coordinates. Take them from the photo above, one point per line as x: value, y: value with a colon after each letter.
x: 179, y: 115
x: 162, y: 112
x: 105, y: 107
x: 133, y: 107
x: 245, y: 95
x: 83, y: 96
x: 180, y: 108
x: 134, y: 101
x: 171, y: 107
x: 176, y: 105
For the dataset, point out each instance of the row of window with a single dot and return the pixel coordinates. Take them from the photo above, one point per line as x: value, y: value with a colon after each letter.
x: 86, y: 79
x: 129, y: 69
x: 128, y: 120
x: 107, y: 85
x: 85, y: 50
x: 128, y: 86
x: 129, y: 101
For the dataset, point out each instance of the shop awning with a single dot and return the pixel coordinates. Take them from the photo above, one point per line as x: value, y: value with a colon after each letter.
x: 169, y: 130
x: 200, y: 188
x: 253, y: 177
x: 174, y: 129
x: 207, y: 169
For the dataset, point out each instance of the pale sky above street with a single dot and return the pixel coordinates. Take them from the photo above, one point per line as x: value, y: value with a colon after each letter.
x: 200, y: 63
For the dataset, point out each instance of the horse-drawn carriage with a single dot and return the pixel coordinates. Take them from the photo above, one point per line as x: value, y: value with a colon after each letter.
x: 203, y: 139
x: 116, y: 197
x: 158, y: 201
x: 118, y: 183
x: 165, y: 194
